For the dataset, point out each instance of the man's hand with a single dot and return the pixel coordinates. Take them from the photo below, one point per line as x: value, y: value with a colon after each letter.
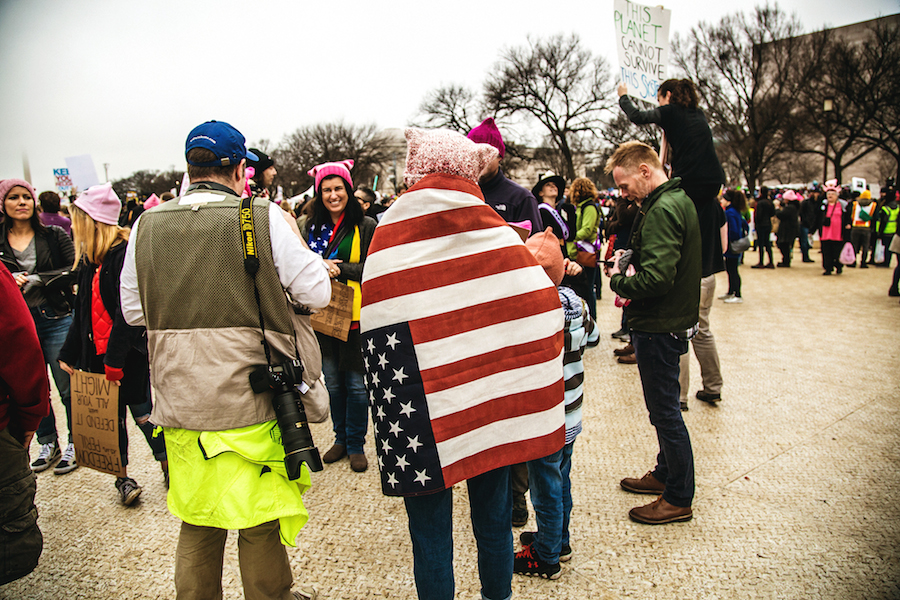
x: 622, y: 89
x: 614, y: 270
x: 65, y: 367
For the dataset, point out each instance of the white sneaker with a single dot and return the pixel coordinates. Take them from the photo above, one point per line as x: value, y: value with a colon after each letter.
x: 726, y: 297
x: 734, y: 300
x: 67, y: 464
x: 48, y: 455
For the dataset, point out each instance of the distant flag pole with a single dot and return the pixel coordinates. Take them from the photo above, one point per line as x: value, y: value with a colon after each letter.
x: 185, y: 182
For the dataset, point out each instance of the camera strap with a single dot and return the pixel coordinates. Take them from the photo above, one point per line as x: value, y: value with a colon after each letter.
x: 251, y: 263
x: 251, y: 266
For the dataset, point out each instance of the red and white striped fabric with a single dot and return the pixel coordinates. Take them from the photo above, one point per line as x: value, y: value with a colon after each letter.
x: 462, y: 338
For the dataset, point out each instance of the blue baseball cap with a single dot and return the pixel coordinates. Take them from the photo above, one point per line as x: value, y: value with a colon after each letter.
x: 223, y: 140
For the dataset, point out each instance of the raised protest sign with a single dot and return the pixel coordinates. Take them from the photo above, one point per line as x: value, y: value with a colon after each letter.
x: 95, y: 422
x: 82, y: 171
x: 642, y: 39
x: 63, y: 181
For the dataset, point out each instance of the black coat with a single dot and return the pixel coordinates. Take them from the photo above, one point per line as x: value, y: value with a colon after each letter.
x: 789, y: 226
x: 127, y: 348
x: 55, y: 254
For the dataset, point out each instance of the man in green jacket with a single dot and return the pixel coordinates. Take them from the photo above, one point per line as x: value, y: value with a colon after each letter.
x: 664, y: 294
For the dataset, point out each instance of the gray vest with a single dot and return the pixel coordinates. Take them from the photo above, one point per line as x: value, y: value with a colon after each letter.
x: 201, y: 314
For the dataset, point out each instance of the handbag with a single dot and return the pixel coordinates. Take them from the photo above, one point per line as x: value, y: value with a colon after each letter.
x: 848, y: 255
x: 741, y: 245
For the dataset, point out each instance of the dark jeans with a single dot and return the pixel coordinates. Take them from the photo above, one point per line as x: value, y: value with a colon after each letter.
x: 431, y: 530
x: 349, y: 405
x: 21, y: 541
x: 52, y: 333
x: 734, y: 277
x: 140, y: 413
x: 831, y: 251
x: 804, y: 242
x: 860, y: 238
x: 658, y: 357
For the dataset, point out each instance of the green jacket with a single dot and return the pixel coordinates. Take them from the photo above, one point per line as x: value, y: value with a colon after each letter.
x: 586, y: 224
x: 665, y: 291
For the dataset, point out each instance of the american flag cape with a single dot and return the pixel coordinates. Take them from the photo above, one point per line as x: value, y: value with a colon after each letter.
x: 462, y: 335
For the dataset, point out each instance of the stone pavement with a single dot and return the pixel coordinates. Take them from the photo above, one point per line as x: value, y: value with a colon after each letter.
x: 798, y: 475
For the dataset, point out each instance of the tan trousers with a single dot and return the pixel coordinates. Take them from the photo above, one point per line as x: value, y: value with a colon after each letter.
x: 265, y: 570
x: 704, y: 345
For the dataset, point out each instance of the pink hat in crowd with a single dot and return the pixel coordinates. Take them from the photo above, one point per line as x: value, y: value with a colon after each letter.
x: 487, y: 133
x: 444, y: 151
x: 545, y: 248
x: 8, y: 184
x: 832, y: 186
x: 152, y: 201
x: 341, y: 169
x: 791, y: 195
x: 101, y: 203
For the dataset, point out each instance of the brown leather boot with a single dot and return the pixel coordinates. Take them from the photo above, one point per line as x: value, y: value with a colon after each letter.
x: 334, y: 454
x: 648, y: 484
x: 358, y: 462
x: 630, y: 359
x: 659, y: 512
x: 629, y: 349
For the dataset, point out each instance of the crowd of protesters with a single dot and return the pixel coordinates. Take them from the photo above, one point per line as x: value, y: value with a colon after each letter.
x: 661, y: 238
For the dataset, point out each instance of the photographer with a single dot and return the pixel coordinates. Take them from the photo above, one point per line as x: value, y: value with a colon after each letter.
x: 185, y: 280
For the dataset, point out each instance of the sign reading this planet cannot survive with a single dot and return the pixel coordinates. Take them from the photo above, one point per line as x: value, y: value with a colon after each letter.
x: 642, y: 39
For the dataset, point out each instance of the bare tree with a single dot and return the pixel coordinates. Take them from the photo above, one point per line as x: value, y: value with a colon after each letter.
x: 749, y: 71
x: 326, y: 142
x: 452, y: 107
x: 556, y: 82
x: 148, y: 182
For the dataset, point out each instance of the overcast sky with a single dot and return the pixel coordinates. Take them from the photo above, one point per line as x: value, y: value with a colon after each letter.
x: 124, y: 81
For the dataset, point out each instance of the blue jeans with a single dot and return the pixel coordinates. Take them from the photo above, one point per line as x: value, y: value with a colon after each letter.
x: 658, y: 356
x: 349, y: 405
x: 431, y: 530
x: 52, y: 333
x: 804, y: 241
x: 551, y: 495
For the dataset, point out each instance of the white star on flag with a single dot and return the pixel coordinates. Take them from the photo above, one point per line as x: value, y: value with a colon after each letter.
x: 380, y: 412
x: 392, y: 480
x: 371, y: 346
x: 386, y: 445
x: 395, y: 429
x: 414, y: 443
x: 392, y: 341
x: 407, y: 408
x: 402, y: 463
x: 375, y: 381
x: 421, y: 477
x: 388, y: 395
x: 382, y: 360
x: 399, y: 376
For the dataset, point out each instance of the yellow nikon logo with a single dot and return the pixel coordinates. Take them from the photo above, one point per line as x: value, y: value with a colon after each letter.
x: 247, y: 229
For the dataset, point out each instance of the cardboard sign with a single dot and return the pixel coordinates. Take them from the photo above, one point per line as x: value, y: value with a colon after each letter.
x: 334, y: 320
x: 95, y: 422
x: 642, y: 39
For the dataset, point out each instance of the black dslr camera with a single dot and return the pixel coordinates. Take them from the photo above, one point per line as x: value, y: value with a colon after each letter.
x: 296, y: 437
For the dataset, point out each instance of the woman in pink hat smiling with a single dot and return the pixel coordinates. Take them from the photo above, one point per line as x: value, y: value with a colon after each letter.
x: 40, y: 260
x: 100, y: 341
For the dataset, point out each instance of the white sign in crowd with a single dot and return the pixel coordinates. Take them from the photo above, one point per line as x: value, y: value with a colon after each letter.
x: 642, y: 39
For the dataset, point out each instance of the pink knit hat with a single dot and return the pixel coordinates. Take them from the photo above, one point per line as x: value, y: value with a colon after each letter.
x: 487, y: 133
x: 791, y: 195
x: 101, y: 203
x: 444, y: 151
x: 341, y: 169
x: 545, y: 248
x: 832, y: 186
x: 8, y: 184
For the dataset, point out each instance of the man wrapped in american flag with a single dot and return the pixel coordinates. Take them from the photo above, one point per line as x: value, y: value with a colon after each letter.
x: 463, y: 340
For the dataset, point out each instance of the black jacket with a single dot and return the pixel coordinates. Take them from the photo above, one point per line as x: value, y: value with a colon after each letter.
x: 55, y: 255
x: 127, y: 348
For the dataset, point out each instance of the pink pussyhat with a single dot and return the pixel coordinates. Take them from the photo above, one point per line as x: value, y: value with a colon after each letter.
x: 341, y: 169
x: 8, y: 184
x: 832, y: 186
x: 101, y: 203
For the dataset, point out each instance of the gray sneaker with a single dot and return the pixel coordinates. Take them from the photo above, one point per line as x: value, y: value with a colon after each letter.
x: 129, y: 490
x: 48, y: 455
x: 67, y: 464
